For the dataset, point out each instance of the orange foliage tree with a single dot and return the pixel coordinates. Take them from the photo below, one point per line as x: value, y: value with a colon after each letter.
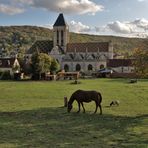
x: 141, y: 61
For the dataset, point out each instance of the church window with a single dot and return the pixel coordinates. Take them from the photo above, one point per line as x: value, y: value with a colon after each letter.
x: 57, y: 37
x: 93, y: 56
x: 62, y: 42
x: 66, y: 68
x: 62, y: 38
x: 90, y: 67
x: 101, y: 66
x: 78, y: 67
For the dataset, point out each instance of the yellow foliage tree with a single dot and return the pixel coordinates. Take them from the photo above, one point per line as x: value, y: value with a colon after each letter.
x: 141, y: 61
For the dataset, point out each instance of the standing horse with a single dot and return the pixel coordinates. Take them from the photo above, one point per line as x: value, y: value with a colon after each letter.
x: 85, y: 96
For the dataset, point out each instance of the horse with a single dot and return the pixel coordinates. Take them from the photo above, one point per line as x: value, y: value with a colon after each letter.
x: 85, y: 96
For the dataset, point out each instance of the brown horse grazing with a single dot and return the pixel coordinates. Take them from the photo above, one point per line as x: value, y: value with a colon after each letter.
x: 85, y: 96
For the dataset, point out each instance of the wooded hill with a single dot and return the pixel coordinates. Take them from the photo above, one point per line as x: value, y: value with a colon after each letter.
x: 22, y: 37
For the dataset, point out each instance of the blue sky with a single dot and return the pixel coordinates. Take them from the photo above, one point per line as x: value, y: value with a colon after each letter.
x: 105, y: 17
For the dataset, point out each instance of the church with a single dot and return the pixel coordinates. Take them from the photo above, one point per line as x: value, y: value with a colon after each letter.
x: 85, y: 57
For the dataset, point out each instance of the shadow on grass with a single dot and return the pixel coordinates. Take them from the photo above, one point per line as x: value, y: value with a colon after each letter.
x: 54, y: 127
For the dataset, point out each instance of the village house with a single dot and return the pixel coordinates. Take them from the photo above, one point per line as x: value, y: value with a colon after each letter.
x: 121, y: 65
x: 10, y: 65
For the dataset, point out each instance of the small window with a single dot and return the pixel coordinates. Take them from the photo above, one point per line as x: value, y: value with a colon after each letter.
x: 0, y: 62
x: 101, y: 66
x: 66, y: 67
x: 90, y: 67
x: 78, y: 67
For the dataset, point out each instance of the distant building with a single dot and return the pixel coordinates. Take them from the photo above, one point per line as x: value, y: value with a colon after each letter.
x: 10, y: 65
x: 85, y: 57
x: 121, y: 65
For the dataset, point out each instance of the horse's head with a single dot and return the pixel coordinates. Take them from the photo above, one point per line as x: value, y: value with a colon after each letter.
x: 69, y: 107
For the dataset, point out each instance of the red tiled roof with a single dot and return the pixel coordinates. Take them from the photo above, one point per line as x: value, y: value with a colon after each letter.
x: 6, y: 62
x: 119, y: 62
x: 90, y: 47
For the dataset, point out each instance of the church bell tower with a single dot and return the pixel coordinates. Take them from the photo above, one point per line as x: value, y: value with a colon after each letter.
x: 61, y: 33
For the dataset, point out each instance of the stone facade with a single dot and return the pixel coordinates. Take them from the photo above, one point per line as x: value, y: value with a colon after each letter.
x: 85, y: 57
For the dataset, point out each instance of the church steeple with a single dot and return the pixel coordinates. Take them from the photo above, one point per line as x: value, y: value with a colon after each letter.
x: 61, y: 32
x: 60, y: 21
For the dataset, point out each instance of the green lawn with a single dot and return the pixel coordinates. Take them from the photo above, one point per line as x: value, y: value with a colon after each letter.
x: 32, y: 115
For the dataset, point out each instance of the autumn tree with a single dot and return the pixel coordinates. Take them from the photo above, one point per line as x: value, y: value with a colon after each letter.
x: 141, y: 61
x: 54, y: 65
x: 42, y: 63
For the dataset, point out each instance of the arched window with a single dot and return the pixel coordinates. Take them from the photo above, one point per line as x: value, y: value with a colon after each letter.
x: 62, y: 38
x: 101, y: 66
x: 78, y: 67
x: 66, y: 67
x: 57, y: 37
x: 90, y: 67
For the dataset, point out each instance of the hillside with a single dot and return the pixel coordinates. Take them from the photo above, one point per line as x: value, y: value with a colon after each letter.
x: 22, y: 37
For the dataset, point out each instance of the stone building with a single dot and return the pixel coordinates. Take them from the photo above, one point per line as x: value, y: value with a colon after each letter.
x: 85, y: 57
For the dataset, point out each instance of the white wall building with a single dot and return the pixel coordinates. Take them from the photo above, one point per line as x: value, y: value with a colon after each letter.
x: 86, y: 57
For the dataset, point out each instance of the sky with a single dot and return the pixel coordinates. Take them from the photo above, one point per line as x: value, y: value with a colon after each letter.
x: 102, y: 17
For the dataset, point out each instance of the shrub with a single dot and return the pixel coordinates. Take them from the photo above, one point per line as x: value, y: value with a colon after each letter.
x: 5, y: 75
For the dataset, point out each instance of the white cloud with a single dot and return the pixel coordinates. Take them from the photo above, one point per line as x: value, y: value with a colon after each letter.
x: 79, y: 27
x: 10, y: 10
x: 141, y: 0
x: 49, y: 26
x: 120, y: 27
x: 66, y: 6
x: 141, y: 23
x: 136, y: 28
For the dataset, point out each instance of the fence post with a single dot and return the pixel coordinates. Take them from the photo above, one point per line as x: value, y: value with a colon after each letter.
x: 65, y: 101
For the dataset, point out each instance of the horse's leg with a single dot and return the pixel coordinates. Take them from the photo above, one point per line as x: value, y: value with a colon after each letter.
x: 83, y: 107
x: 100, y: 109
x: 96, y: 107
x: 78, y: 107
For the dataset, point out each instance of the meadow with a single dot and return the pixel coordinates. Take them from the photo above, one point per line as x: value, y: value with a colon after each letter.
x: 32, y: 115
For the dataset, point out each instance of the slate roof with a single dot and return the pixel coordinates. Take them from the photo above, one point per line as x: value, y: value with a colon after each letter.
x: 43, y: 46
x: 6, y: 62
x: 60, y: 21
x: 90, y: 47
x: 119, y: 62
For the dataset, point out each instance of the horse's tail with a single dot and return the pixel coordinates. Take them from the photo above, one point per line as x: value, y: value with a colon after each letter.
x: 100, y: 97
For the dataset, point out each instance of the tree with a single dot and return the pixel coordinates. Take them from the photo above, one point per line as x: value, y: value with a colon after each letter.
x: 42, y: 63
x: 54, y: 65
x: 141, y: 61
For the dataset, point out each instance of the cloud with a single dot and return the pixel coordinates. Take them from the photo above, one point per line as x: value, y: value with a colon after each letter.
x: 141, y: 23
x: 10, y: 10
x: 66, y: 6
x: 120, y: 27
x: 136, y: 28
x: 141, y: 0
x: 79, y: 27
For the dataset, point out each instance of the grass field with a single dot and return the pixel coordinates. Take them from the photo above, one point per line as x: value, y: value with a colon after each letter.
x: 32, y: 115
